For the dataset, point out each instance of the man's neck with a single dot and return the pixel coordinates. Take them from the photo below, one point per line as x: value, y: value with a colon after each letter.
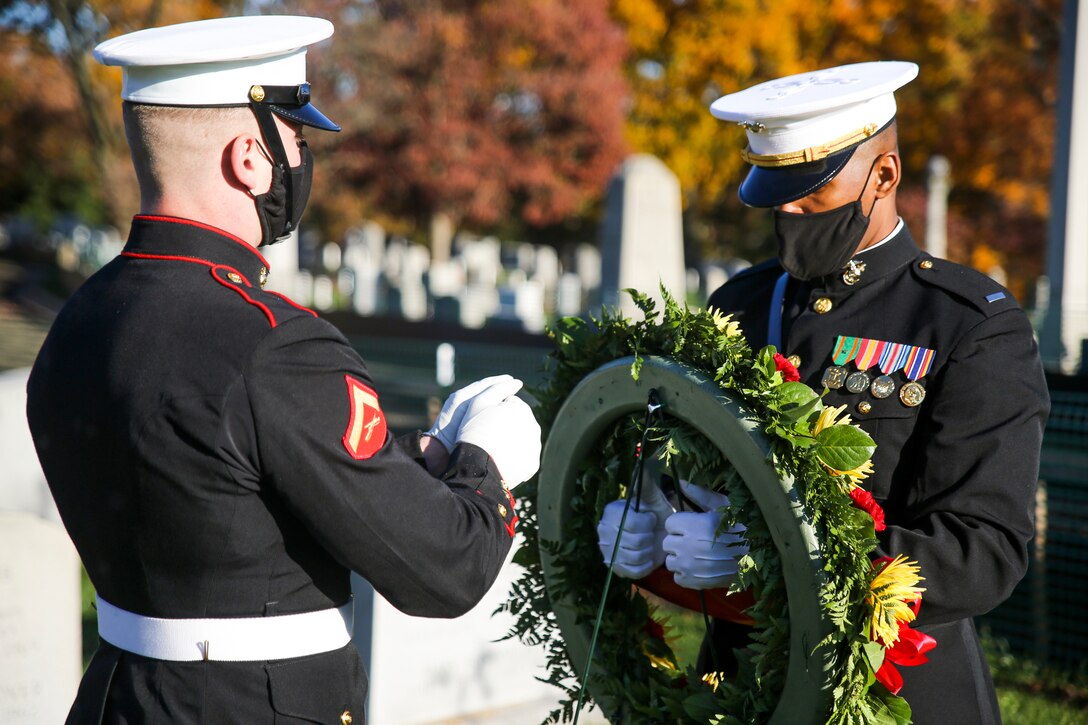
x: 203, y: 209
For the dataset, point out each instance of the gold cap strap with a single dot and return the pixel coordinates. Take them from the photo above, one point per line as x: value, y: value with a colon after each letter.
x: 813, y: 153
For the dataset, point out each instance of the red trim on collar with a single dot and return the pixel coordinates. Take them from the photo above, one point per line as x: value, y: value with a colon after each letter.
x: 168, y: 257
x: 245, y: 295
x: 213, y: 268
x: 291, y: 302
x: 207, y: 227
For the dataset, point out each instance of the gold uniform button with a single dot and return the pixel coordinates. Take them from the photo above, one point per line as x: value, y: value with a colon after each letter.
x: 795, y: 360
x: 345, y: 717
x: 262, y: 276
x: 234, y: 277
x: 256, y: 94
x: 822, y: 306
x: 502, y: 511
x: 864, y: 407
x: 926, y: 264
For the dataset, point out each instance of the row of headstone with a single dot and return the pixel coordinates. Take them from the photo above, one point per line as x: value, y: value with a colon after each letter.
x: 484, y: 281
x: 478, y: 281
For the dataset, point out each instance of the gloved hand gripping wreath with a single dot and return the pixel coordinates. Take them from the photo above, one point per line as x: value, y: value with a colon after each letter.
x: 687, y: 396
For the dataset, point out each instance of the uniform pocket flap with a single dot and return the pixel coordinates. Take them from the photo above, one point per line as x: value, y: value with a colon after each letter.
x: 319, y: 688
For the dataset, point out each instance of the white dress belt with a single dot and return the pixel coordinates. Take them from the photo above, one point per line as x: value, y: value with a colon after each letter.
x: 239, y: 639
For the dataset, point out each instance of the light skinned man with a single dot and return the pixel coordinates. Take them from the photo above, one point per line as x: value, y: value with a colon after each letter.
x: 218, y: 453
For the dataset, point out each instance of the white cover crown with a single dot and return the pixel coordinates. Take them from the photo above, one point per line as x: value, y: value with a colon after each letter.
x: 808, y: 116
x: 212, y: 62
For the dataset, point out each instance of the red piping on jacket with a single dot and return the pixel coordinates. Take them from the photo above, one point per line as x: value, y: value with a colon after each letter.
x: 208, y: 227
x: 212, y: 268
x: 291, y: 302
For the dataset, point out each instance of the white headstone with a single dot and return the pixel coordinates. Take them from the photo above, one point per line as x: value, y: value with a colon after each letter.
x: 547, y: 268
x: 568, y: 296
x: 367, y: 240
x: 643, y: 241
x: 283, y: 273
x: 529, y: 305
x: 483, y: 260
x: 938, y: 181
x: 364, y: 249
x: 40, y: 634
x: 446, y: 279
x: 324, y: 292
x: 1063, y: 341
x: 713, y: 275
x: 22, y: 485
x: 478, y: 303
x: 465, y: 674
x: 587, y: 265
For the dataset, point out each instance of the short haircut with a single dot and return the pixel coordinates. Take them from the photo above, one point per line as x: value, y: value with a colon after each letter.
x: 163, y: 139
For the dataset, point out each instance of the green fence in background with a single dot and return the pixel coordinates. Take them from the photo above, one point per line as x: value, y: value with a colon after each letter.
x: 1046, y: 616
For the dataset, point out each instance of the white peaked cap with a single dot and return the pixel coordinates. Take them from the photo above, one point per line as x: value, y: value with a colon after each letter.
x: 213, y: 62
x: 819, y: 116
x: 815, y: 110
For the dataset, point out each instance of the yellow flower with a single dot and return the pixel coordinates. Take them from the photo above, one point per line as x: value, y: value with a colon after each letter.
x: 725, y: 323
x: 714, y: 679
x: 829, y: 417
x: 891, y: 591
x: 855, y: 474
x: 658, y: 661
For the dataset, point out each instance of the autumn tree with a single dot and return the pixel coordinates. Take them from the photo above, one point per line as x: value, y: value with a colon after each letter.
x: 63, y: 149
x: 483, y: 110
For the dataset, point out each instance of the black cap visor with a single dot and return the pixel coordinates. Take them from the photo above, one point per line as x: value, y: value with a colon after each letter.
x: 307, y: 115
x: 293, y: 104
x: 774, y: 186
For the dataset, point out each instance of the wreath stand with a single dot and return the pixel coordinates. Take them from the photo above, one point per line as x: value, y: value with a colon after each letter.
x: 608, y: 394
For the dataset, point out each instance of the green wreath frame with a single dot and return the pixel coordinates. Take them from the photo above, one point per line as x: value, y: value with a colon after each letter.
x: 737, y: 427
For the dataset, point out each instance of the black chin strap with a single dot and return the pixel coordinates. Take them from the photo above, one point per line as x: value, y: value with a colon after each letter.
x: 272, y: 138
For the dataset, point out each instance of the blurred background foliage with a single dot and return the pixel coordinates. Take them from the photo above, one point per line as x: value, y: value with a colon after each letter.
x: 509, y: 116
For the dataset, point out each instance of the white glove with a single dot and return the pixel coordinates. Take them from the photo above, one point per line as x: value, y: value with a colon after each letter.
x: 696, y: 558
x: 469, y: 400
x: 510, y: 435
x: 640, y: 549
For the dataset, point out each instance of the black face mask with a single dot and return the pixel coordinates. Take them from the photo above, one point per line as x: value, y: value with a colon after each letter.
x: 272, y: 207
x: 816, y: 245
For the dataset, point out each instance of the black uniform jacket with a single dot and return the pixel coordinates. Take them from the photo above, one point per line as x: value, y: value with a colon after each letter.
x: 216, y: 450
x: 956, y: 475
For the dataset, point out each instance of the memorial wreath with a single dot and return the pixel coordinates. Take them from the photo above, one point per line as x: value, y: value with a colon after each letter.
x: 635, y: 673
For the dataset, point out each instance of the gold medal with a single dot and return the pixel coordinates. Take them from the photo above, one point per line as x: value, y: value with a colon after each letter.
x: 857, y: 382
x: 834, y: 377
x: 912, y: 394
x: 882, y: 387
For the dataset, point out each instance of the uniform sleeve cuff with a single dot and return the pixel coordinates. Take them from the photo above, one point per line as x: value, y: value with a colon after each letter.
x: 409, y: 443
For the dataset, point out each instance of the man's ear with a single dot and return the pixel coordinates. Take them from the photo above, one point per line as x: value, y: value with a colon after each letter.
x: 247, y: 165
x: 887, y: 173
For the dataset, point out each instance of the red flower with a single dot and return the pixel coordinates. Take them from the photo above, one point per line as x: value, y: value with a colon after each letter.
x: 784, y: 366
x: 909, y: 651
x: 865, y: 501
x: 654, y: 629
